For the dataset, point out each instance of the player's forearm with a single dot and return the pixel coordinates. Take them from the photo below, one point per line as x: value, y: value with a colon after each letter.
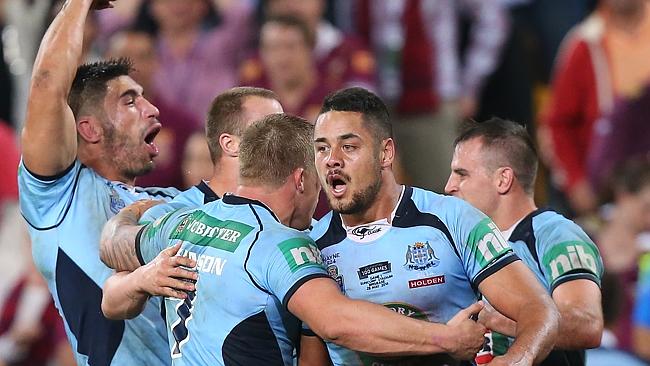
x: 117, y: 244
x: 374, y: 329
x: 579, y: 328
x: 122, y: 297
x: 537, y: 330
x: 60, y: 51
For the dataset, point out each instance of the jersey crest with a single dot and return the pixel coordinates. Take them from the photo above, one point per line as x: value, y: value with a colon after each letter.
x: 420, y: 256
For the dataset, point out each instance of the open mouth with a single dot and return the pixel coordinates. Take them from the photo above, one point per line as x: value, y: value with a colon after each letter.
x: 337, y: 185
x: 149, y: 139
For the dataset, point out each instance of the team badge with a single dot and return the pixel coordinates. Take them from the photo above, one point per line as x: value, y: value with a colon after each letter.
x: 333, y: 271
x: 420, y: 256
x: 116, y: 202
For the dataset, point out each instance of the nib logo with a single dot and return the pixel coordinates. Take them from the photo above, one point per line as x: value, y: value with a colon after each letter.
x: 566, y: 258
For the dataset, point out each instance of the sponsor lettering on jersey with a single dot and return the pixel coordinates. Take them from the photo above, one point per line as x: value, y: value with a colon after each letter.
x: 420, y: 256
x: 487, y: 243
x: 570, y: 256
x: 205, y: 263
x: 375, y: 276
x: 429, y: 281
x: 300, y: 253
x: 366, y: 271
x: 199, y: 228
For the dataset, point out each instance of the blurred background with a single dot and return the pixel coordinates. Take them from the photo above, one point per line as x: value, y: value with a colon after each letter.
x: 576, y: 73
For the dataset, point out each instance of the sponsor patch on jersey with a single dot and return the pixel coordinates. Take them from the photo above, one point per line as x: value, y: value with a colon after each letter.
x: 371, y: 269
x: 429, y: 281
x: 300, y: 253
x: 487, y: 243
x: 570, y: 256
x: 406, y: 309
x: 199, y: 228
x: 420, y: 256
x: 333, y: 271
x: 375, y: 276
x: 116, y: 202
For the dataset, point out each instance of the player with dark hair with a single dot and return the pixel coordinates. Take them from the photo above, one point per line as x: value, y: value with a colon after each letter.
x: 419, y: 253
x: 259, y: 272
x: 494, y: 168
x: 89, y: 132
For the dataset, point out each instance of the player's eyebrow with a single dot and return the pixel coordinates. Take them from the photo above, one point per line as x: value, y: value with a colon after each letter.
x: 460, y: 171
x: 348, y: 136
x: 129, y: 93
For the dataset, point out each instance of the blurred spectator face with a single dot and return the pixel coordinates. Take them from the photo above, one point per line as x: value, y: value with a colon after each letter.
x: 197, y: 164
x: 179, y: 15
x: 625, y: 7
x: 638, y: 205
x: 139, y: 47
x: 310, y: 11
x: 285, y: 53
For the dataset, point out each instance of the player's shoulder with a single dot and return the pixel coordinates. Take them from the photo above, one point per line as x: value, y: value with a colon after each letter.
x: 166, y: 194
x: 554, y: 227
x: 443, y: 206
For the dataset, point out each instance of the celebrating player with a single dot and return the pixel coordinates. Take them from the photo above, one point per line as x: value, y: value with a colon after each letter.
x: 88, y: 134
x: 419, y: 253
x: 494, y: 168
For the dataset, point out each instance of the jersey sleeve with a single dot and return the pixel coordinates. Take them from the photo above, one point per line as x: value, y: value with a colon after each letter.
x: 44, y: 201
x: 154, y: 237
x: 567, y: 253
x: 641, y: 315
x: 479, y: 243
x: 282, y: 266
x: 161, y: 210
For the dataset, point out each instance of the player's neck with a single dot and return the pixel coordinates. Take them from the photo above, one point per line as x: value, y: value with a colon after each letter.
x: 224, y: 179
x: 382, y: 207
x: 103, y: 168
x: 511, y: 210
x: 280, y: 200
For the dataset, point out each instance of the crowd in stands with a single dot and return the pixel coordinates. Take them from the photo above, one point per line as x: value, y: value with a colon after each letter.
x: 575, y: 73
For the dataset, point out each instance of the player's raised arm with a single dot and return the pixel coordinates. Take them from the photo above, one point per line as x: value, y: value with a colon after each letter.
x: 49, y: 138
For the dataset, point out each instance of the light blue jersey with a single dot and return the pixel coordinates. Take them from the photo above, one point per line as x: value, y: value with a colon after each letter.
x: 556, y: 250
x: 194, y: 196
x: 427, y: 263
x: 66, y: 215
x: 249, y: 266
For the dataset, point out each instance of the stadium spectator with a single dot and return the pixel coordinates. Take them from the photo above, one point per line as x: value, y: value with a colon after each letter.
x: 622, y: 237
x: 602, y: 58
x: 197, y: 165
x: 641, y: 335
x: 416, y: 43
x: 288, y: 66
x: 198, y: 60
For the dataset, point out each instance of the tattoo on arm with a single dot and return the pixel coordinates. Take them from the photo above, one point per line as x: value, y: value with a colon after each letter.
x: 118, y: 241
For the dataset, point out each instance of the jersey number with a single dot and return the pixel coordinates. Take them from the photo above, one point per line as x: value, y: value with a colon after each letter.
x: 179, y: 328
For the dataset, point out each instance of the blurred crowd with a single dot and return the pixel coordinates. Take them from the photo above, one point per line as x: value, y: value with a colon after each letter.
x: 575, y: 73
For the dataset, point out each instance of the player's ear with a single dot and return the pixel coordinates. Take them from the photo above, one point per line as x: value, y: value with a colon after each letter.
x: 90, y: 129
x: 298, y: 176
x: 387, y: 153
x: 229, y: 144
x: 505, y: 178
